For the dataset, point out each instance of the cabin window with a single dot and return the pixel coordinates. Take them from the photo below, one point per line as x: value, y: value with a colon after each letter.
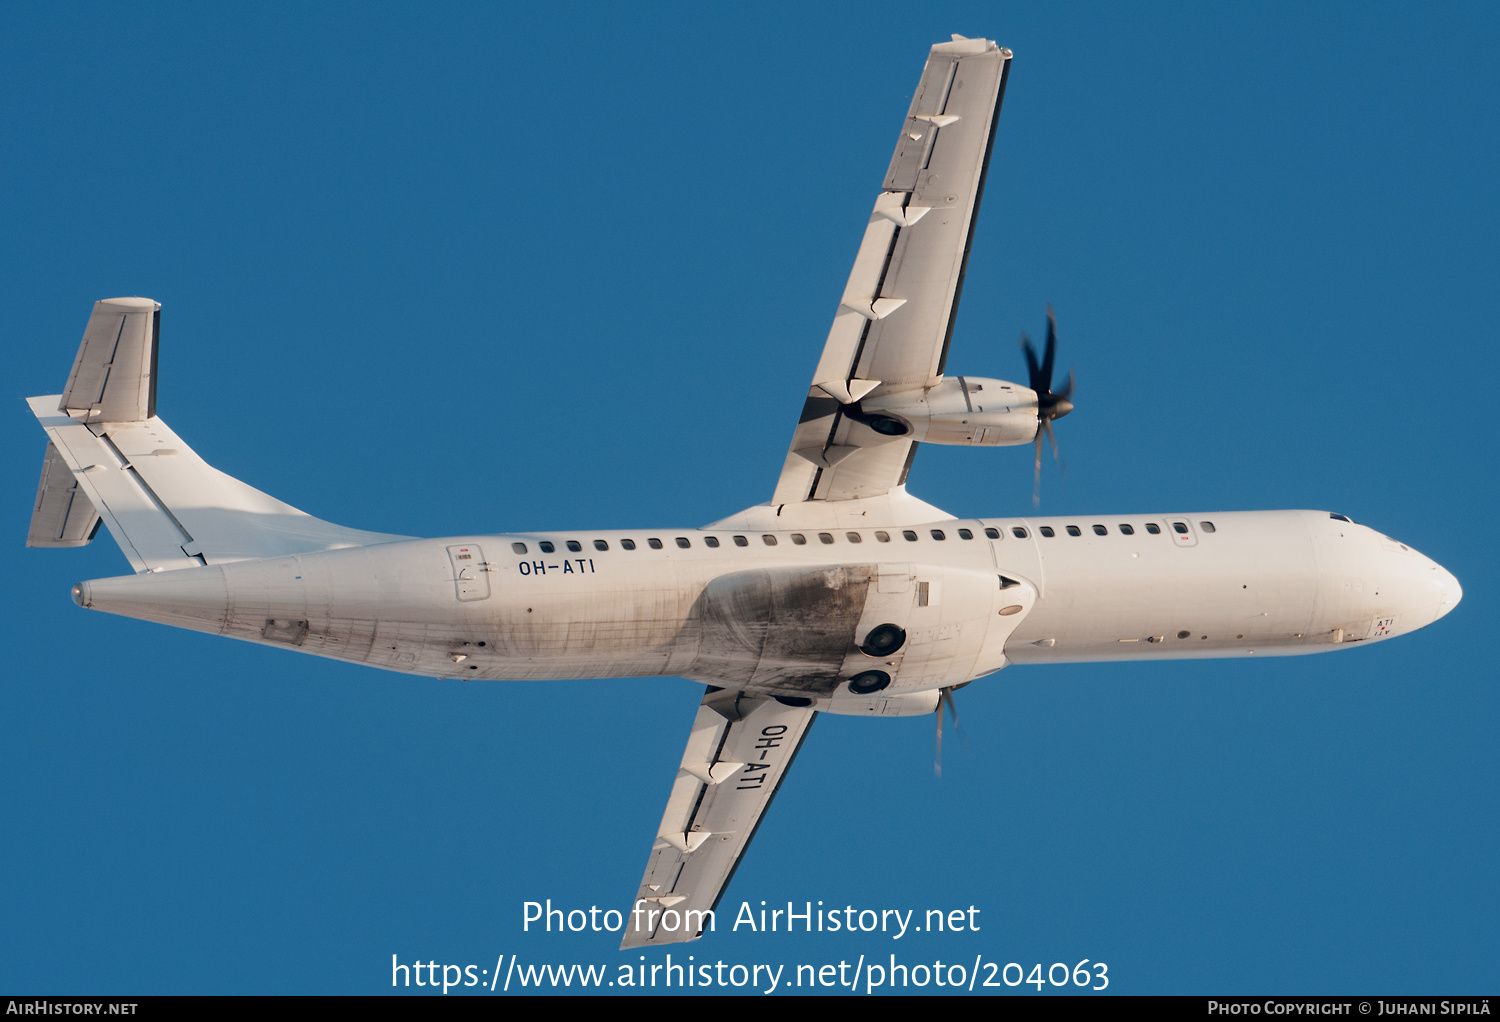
x: 1180, y: 528
x: 883, y: 537
x: 1046, y: 530
x: 1018, y: 532
x: 574, y: 545
x: 1153, y: 528
x: 519, y: 548
x: 1208, y: 526
x: 1127, y: 529
x: 682, y: 541
x: 654, y: 544
x: 601, y: 544
x: 825, y: 537
x: 546, y: 546
x: 741, y: 541
x: 1073, y: 530
x: 628, y: 544
x: 769, y: 540
x: 938, y: 534
x: 965, y: 534
x: 853, y: 537
x: 710, y: 540
x: 1100, y: 530
x: 908, y: 535
x: 798, y: 539
x: 994, y: 533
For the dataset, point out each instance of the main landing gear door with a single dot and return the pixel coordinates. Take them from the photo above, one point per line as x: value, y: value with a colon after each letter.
x: 470, y: 572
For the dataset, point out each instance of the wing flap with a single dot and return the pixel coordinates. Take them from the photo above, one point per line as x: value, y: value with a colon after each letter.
x: 737, y: 754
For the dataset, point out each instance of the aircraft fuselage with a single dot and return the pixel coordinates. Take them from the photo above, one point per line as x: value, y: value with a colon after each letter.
x: 785, y: 611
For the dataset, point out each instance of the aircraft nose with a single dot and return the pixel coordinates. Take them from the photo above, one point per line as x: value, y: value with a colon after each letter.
x: 1452, y: 592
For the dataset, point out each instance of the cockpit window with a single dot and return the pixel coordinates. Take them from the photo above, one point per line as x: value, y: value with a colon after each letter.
x: 1339, y: 518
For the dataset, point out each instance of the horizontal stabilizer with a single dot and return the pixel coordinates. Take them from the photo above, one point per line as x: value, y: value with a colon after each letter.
x: 112, y: 460
x: 168, y: 508
x: 63, y: 515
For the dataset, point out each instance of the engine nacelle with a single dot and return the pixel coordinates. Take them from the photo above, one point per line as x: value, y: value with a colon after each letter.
x: 908, y: 704
x: 963, y: 410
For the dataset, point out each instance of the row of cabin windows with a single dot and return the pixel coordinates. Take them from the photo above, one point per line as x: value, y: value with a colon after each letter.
x: 910, y: 535
x: 1126, y: 529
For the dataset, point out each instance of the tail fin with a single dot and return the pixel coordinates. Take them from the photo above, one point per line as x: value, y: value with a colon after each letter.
x: 110, y: 458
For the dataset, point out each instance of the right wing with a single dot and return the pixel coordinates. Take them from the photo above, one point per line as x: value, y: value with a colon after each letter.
x: 895, y: 319
x: 737, y: 754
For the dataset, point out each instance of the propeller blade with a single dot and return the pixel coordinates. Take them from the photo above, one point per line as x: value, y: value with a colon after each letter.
x: 945, y: 702
x: 1033, y: 369
x: 1049, y: 404
x: 1050, y: 353
x: 1036, y: 489
x: 1067, y: 391
x: 937, y: 762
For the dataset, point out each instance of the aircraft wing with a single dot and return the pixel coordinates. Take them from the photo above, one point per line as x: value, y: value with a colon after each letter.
x: 740, y: 748
x: 895, y: 318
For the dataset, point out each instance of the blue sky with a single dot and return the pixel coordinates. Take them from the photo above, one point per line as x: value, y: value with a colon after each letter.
x: 466, y: 269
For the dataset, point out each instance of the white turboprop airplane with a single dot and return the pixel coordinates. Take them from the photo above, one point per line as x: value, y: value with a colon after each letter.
x: 843, y: 594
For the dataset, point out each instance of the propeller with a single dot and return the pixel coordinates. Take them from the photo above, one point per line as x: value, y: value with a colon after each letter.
x: 945, y: 702
x: 1049, y: 405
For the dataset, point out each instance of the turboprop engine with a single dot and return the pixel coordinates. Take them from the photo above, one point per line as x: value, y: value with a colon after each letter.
x: 954, y: 410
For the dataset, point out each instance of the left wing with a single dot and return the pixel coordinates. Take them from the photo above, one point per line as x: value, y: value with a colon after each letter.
x: 895, y: 319
x: 737, y: 754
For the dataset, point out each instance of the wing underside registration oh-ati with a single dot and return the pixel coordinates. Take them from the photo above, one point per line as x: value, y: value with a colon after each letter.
x: 842, y: 594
